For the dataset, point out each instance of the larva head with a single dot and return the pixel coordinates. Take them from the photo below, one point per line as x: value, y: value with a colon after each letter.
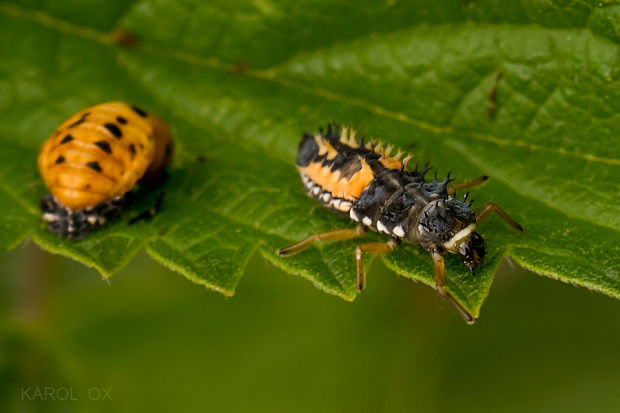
x: 450, y: 225
x: 472, y: 251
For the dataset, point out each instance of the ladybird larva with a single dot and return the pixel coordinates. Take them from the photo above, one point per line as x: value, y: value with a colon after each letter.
x: 366, y: 183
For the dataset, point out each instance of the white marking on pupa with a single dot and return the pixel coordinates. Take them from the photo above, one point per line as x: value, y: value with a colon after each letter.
x: 50, y: 217
x: 326, y: 197
x: 353, y: 215
x: 316, y: 190
x: 367, y: 221
x: 336, y: 203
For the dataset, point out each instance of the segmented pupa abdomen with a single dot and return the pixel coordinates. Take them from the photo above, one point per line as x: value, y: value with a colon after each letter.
x: 101, y: 152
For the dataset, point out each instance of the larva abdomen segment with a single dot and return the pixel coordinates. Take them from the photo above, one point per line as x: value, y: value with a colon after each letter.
x: 335, y: 169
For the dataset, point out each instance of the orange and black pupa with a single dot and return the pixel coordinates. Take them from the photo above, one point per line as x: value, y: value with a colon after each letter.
x: 366, y: 183
x: 94, y: 159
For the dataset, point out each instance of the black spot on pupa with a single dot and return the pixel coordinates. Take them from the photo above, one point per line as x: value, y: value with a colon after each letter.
x: 121, y: 120
x: 87, y: 186
x: 114, y: 130
x: 132, y: 148
x: 77, y: 122
x: 60, y: 159
x: 94, y: 165
x: 104, y: 146
x: 168, y: 149
x: 139, y: 111
x: 66, y: 139
x: 141, y: 146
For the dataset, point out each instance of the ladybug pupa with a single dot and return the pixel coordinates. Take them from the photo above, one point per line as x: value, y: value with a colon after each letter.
x: 364, y: 182
x: 94, y: 159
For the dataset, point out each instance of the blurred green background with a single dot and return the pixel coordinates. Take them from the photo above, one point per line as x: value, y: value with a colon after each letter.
x: 150, y: 340
x: 156, y: 342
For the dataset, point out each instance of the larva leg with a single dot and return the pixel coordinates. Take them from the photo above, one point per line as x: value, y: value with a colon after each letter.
x: 378, y: 247
x: 337, y: 235
x: 492, y: 206
x: 470, y: 183
x: 440, y: 286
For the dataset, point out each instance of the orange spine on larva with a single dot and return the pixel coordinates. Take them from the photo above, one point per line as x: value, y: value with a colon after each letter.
x: 101, y: 152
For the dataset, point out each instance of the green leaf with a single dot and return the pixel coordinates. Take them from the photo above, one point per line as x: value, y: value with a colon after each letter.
x: 239, y: 81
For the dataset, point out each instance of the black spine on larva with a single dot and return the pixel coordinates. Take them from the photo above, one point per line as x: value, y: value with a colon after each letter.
x: 308, y: 150
x: 397, y: 202
x: 442, y: 219
x: 421, y: 209
x: 442, y: 216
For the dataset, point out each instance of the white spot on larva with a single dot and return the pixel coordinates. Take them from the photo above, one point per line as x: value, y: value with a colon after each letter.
x: 382, y: 227
x: 92, y: 220
x: 367, y: 221
x: 336, y: 203
x: 398, y: 231
x: 345, y: 205
x: 455, y: 241
x: 326, y: 197
x: 353, y: 215
x: 316, y: 190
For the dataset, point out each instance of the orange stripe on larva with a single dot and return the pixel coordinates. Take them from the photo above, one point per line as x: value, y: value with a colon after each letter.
x: 339, y: 187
